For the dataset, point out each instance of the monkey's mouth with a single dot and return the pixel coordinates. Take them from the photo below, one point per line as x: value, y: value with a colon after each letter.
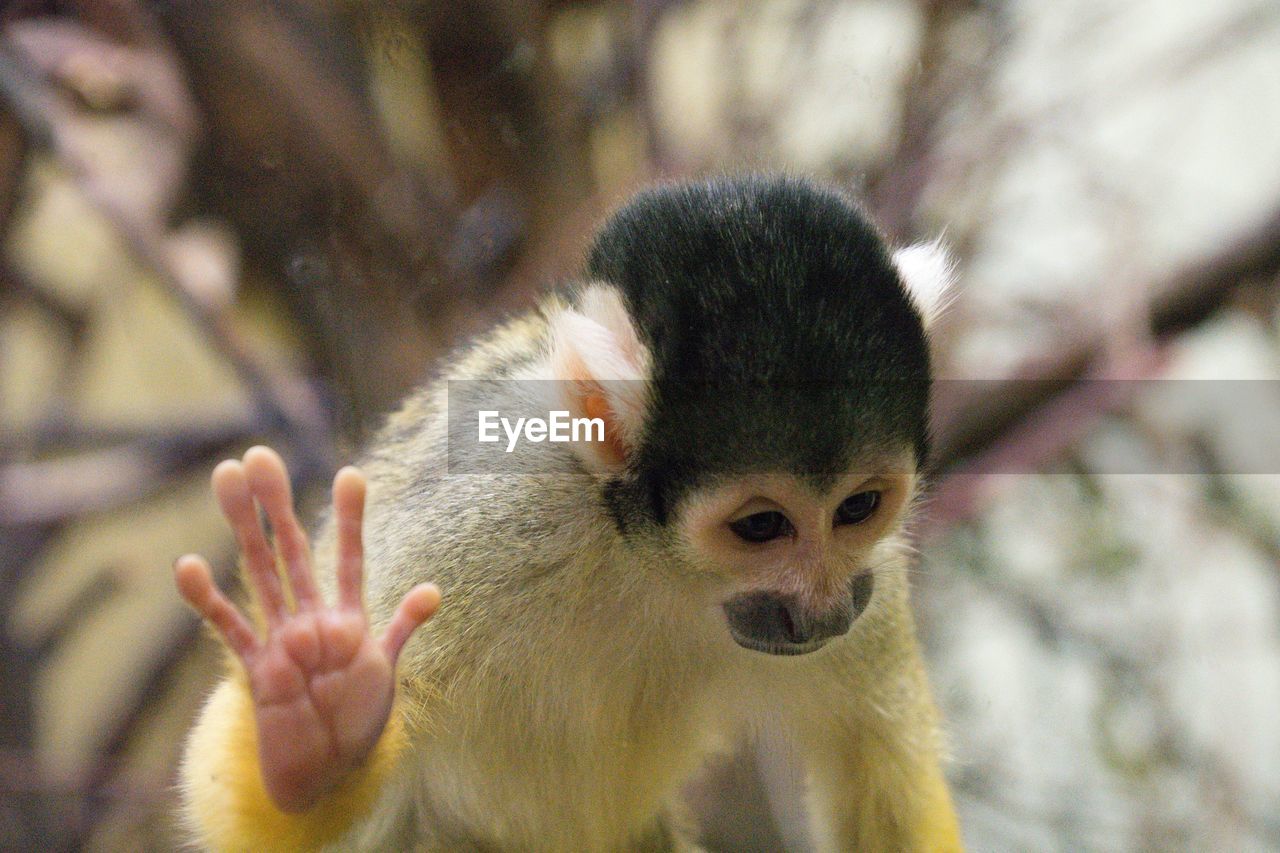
x: 779, y: 624
x: 775, y: 648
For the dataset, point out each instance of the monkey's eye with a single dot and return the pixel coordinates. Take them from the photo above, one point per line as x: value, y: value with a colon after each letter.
x: 761, y: 526
x: 856, y: 509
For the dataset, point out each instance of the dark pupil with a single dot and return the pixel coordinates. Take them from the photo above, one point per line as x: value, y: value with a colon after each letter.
x: 760, y: 527
x: 857, y: 508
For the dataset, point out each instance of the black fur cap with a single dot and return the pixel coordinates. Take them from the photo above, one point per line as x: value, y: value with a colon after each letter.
x: 781, y: 335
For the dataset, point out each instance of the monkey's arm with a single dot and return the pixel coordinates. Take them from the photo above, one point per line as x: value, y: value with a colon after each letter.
x: 226, y: 802
x: 877, y: 796
x: 294, y: 746
x: 877, y: 777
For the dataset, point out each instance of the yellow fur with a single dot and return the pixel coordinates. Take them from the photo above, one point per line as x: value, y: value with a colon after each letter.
x: 897, y: 807
x: 877, y: 779
x: 938, y: 829
x: 227, y: 805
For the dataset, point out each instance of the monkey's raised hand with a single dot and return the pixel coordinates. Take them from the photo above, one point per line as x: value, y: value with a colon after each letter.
x: 322, y: 685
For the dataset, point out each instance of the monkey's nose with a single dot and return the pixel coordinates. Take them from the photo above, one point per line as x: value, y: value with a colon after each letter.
x: 778, y: 624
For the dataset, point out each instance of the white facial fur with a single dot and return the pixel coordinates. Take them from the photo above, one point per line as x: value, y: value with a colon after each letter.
x: 816, y: 562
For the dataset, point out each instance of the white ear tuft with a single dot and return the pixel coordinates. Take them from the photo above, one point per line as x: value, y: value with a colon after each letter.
x: 600, y: 369
x: 928, y: 273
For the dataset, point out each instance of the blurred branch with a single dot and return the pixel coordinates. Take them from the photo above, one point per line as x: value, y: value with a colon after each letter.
x: 1198, y: 292
x: 25, y: 818
x: 296, y: 162
x: 97, y: 480
x: 100, y: 584
x: 894, y: 192
x: 13, y: 152
x: 302, y: 107
x: 1025, y: 422
x: 57, y: 79
x: 70, y: 317
x: 51, y: 121
x: 1058, y: 416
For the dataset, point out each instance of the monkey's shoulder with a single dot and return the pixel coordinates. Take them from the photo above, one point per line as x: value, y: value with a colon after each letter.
x: 507, y: 351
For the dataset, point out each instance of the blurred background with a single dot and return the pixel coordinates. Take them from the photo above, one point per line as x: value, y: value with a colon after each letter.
x: 227, y: 222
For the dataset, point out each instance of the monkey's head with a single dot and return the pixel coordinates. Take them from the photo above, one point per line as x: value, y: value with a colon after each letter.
x: 760, y: 361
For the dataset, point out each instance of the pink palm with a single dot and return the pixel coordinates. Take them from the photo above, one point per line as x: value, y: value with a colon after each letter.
x: 322, y: 685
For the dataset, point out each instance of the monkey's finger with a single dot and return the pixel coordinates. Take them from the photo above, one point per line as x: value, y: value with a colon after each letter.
x: 348, y: 508
x: 232, y: 490
x: 418, y: 605
x: 269, y: 481
x: 195, y: 584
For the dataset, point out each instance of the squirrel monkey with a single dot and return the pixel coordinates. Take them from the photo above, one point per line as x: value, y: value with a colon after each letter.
x: 725, y: 558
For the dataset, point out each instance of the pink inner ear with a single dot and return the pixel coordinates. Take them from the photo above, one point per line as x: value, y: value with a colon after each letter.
x: 604, y: 306
x: 600, y: 368
x: 596, y: 405
x: 584, y: 397
x: 567, y: 365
